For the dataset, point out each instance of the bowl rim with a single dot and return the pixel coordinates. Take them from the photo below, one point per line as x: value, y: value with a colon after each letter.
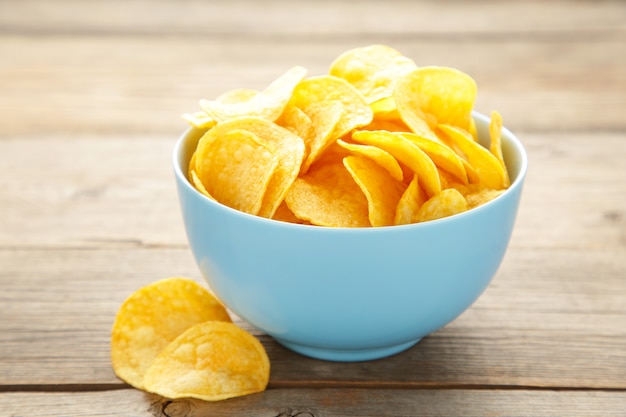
x: 507, y: 137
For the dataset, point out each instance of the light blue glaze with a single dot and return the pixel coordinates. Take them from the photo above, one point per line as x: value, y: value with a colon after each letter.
x: 349, y: 294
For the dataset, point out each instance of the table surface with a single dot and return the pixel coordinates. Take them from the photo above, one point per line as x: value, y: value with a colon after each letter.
x: 91, y: 95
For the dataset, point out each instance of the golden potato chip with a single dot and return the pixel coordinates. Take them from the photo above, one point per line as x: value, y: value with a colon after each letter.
x: 267, y: 104
x: 435, y: 95
x: 328, y: 196
x: 238, y: 95
x: 489, y: 170
x: 407, y: 153
x: 210, y: 361
x: 325, y: 116
x: 284, y: 214
x: 295, y: 120
x: 441, y: 155
x: 373, y: 70
x: 410, y: 203
x: 195, y: 180
x: 495, y: 135
x: 381, y: 190
x: 152, y: 317
x: 199, y: 120
x: 380, y: 156
x: 236, y: 168
x: 481, y: 197
x: 356, y: 112
x: 447, y: 203
x: 287, y: 147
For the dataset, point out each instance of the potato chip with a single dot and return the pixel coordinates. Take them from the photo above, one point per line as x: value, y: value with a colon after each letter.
x: 355, y: 113
x: 238, y: 95
x: 284, y: 214
x: 199, y: 120
x: 489, y: 170
x: 287, y: 147
x: 195, y: 180
x: 328, y: 196
x: 447, y: 203
x: 381, y: 190
x: 383, y: 158
x: 295, y: 120
x: 407, y: 153
x: 495, y: 135
x: 481, y: 197
x: 152, y: 317
x: 268, y: 104
x: 373, y: 70
x: 325, y: 116
x: 236, y: 168
x: 210, y: 361
x: 435, y: 95
x: 409, y: 204
x: 441, y: 155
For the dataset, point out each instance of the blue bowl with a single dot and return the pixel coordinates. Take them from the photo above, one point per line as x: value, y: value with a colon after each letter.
x: 349, y: 294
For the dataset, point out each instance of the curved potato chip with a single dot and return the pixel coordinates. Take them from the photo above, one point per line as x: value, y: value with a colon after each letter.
x: 435, y: 95
x: 325, y: 116
x: 328, y: 196
x: 495, y: 135
x: 195, y: 180
x: 489, y: 170
x: 444, y: 157
x: 268, y: 104
x: 356, y: 112
x: 295, y: 120
x: 410, y: 203
x: 481, y: 197
x: 381, y: 190
x: 373, y: 70
x: 405, y: 152
x: 380, y: 156
x: 199, y: 120
x: 447, y: 203
x: 287, y: 147
x: 210, y: 361
x: 236, y: 168
x: 152, y: 317
x: 238, y: 95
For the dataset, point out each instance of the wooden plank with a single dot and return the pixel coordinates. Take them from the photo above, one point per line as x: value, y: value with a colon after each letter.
x: 324, y: 402
x: 551, y: 318
x: 103, y: 191
x: 135, y: 85
x: 305, y: 18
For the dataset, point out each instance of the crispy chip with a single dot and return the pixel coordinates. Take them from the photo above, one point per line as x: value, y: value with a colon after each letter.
x: 410, y: 203
x: 287, y: 147
x: 447, y: 203
x: 236, y: 168
x: 441, y: 155
x: 373, y: 70
x: 381, y: 190
x: 430, y: 96
x: 152, y: 317
x: 328, y: 196
x: 355, y: 113
x: 267, y: 104
x: 325, y: 116
x: 481, y: 197
x: 490, y: 172
x: 407, y: 153
x: 380, y: 156
x: 199, y: 120
x: 495, y: 135
x: 295, y: 120
x: 210, y: 361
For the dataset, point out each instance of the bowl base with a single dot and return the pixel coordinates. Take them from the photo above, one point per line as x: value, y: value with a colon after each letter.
x: 340, y: 355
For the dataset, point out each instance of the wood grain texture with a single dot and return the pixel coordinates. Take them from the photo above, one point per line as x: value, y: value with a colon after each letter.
x: 324, y: 403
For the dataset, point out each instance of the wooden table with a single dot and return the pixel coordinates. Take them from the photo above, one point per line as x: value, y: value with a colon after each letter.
x: 91, y: 94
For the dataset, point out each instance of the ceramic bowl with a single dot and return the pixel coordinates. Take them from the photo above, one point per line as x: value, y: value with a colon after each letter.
x: 349, y: 294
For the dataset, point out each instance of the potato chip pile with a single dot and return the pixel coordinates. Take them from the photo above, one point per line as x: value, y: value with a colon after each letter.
x: 175, y: 339
x: 378, y: 141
